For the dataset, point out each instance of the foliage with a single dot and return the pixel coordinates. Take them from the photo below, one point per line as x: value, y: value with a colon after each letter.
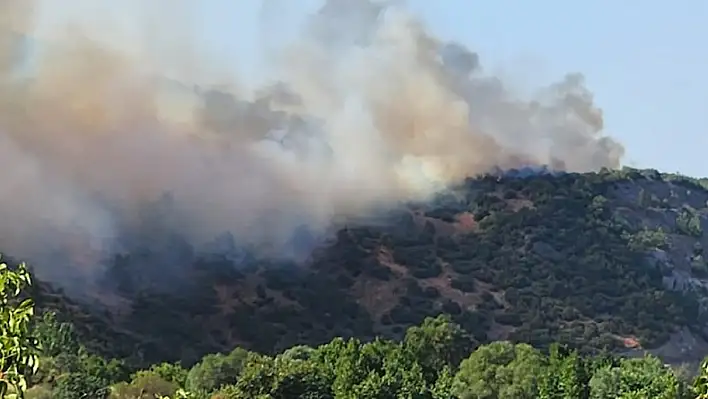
x: 546, y: 270
x: 55, y: 337
x: 565, y: 376
x: 280, y: 378
x: 171, y: 372
x: 68, y: 369
x: 543, y: 258
x: 500, y: 370
x: 700, y: 384
x: 432, y: 361
x: 79, y: 386
x: 647, y: 239
x: 642, y: 377
x: 18, y: 347
x: 436, y: 344
x: 143, y: 383
x: 688, y: 222
x: 215, y: 371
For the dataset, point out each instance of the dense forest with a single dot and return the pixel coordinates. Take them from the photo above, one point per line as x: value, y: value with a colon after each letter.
x: 610, y: 260
x: 512, y: 285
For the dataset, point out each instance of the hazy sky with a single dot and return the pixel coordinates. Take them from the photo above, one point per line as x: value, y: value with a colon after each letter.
x: 646, y: 62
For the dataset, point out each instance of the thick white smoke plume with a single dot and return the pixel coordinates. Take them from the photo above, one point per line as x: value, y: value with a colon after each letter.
x: 369, y: 109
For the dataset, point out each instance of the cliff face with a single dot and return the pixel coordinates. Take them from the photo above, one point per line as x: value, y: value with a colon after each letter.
x: 610, y: 259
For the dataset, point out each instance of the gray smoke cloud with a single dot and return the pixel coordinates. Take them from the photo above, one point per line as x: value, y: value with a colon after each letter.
x: 101, y: 152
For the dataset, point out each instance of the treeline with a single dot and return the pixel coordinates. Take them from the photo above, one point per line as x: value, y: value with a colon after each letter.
x: 43, y: 358
x: 432, y: 361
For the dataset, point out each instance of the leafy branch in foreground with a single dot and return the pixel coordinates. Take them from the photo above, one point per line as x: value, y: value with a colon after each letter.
x: 18, y: 348
x: 700, y: 384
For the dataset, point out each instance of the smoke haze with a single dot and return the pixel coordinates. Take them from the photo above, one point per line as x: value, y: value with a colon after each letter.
x: 102, y: 152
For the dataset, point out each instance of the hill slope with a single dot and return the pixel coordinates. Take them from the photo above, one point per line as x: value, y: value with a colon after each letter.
x: 611, y: 259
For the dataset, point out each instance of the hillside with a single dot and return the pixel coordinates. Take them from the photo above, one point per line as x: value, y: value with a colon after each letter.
x: 600, y: 260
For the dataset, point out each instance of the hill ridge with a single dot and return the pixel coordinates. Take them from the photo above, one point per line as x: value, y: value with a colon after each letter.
x: 608, y: 259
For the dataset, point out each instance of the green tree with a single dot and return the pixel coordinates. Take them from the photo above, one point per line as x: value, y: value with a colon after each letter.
x: 215, y: 371
x: 55, y: 337
x: 19, y: 349
x: 437, y: 343
x: 644, y: 377
x: 443, y: 388
x: 60, y: 349
x: 399, y: 373
x: 281, y: 378
x: 300, y: 352
x: 85, y: 375
x: 565, y: 375
x: 172, y: 372
x: 111, y: 371
x: 144, y: 384
x: 379, y: 369
x: 499, y: 370
x: 81, y: 386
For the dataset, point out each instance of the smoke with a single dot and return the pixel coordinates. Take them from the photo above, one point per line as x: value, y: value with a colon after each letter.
x: 102, y: 153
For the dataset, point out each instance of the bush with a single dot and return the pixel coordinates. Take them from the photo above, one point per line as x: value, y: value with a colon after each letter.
x: 43, y: 391
x: 145, y: 383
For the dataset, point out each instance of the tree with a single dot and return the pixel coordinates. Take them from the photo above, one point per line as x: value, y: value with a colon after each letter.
x: 436, y: 343
x: 18, y: 348
x: 172, y: 372
x: 565, y: 376
x: 281, y: 377
x: 443, y: 387
x: 144, y: 384
x: 644, y: 377
x: 55, y: 337
x: 689, y: 222
x: 81, y: 386
x: 215, y: 371
x: 299, y: 352
x: 90, y: 376
x: 378, y: 369
x: 499, y: 370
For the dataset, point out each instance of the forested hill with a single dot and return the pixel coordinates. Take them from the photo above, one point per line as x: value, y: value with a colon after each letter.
x: 600, y: 260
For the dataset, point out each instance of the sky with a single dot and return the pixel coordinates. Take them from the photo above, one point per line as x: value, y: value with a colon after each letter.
x: 642, y: 60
